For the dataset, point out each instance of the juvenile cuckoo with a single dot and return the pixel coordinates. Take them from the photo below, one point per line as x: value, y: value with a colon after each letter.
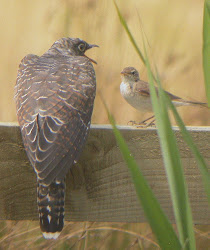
x: 137, y: 93
x: 54, y: 98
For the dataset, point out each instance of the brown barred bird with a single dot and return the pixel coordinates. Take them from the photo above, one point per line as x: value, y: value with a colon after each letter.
x: 54, y: 98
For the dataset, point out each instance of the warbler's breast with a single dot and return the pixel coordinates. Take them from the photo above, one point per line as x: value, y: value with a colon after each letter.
x: 139, y: 102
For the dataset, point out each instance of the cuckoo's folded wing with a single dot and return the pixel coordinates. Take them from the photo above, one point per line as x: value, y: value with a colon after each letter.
x: 54, y: 108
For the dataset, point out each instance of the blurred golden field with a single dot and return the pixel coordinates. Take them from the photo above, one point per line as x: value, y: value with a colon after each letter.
x: 174, y: 33
x: 173, y: 29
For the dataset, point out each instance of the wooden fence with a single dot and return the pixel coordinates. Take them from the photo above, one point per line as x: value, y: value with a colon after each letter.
x: 99, y: 187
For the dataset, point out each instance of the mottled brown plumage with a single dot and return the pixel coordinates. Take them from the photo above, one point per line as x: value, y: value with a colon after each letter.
x: 54, y: 99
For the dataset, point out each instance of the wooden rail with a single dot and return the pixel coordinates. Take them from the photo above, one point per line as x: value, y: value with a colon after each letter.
x: 99, y: 187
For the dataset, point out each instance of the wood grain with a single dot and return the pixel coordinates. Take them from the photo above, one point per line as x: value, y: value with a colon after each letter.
x: 99, y: 187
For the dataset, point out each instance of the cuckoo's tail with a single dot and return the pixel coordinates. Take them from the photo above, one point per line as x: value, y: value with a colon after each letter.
x: 51, y: 208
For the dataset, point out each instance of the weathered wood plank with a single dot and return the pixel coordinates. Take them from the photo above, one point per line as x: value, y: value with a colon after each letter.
x: 99, y: 187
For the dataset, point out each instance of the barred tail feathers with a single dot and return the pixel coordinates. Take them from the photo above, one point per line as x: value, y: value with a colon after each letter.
x: 51, y: 208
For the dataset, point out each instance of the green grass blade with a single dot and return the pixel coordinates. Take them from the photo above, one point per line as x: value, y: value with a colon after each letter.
x: 206, y: 48
x: 173, y: 166
x: 124, y: 24
x: 200, y: 160
x: 171, y: 155
x: 159, y: 223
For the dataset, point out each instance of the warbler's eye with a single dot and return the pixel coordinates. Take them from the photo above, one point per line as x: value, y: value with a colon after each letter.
x: 133, y: 72
x: 82, y: 47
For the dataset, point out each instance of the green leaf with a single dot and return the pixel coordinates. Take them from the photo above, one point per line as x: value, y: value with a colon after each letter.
x: 124, y: 24
x: 199, y: 158
x: 159, y: 222
x: 206, y: 48
x: 172, y: 163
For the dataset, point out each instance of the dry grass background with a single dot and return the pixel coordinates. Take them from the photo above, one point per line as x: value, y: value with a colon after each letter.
x: 173, y: 29
x: 174, y: 32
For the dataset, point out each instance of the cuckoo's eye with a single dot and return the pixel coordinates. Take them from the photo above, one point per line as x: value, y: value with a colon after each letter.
x: 82, y: 47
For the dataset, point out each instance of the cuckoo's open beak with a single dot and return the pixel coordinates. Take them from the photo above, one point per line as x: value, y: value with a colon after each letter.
x: 91, y: 59
x: 89, y: 47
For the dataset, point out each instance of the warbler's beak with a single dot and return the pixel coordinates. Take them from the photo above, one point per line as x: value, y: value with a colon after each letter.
x: 123, y: 73
x: 89, y: 47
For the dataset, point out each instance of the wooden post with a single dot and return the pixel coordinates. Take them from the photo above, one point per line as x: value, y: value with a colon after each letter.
x: 99, y: 187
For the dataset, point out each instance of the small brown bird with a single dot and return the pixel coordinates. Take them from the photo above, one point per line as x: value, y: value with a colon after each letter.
x: 54, y: 98
x: 137, y: 93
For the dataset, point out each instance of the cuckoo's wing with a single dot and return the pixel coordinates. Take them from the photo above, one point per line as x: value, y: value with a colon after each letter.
x: 54, y: 105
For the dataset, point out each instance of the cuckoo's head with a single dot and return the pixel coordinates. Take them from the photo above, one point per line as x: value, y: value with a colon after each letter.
x: 71, y: 47
x: 130, y: 74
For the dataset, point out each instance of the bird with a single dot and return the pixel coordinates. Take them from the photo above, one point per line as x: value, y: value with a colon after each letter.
x: 137, y: 93
x: 54, y: 96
